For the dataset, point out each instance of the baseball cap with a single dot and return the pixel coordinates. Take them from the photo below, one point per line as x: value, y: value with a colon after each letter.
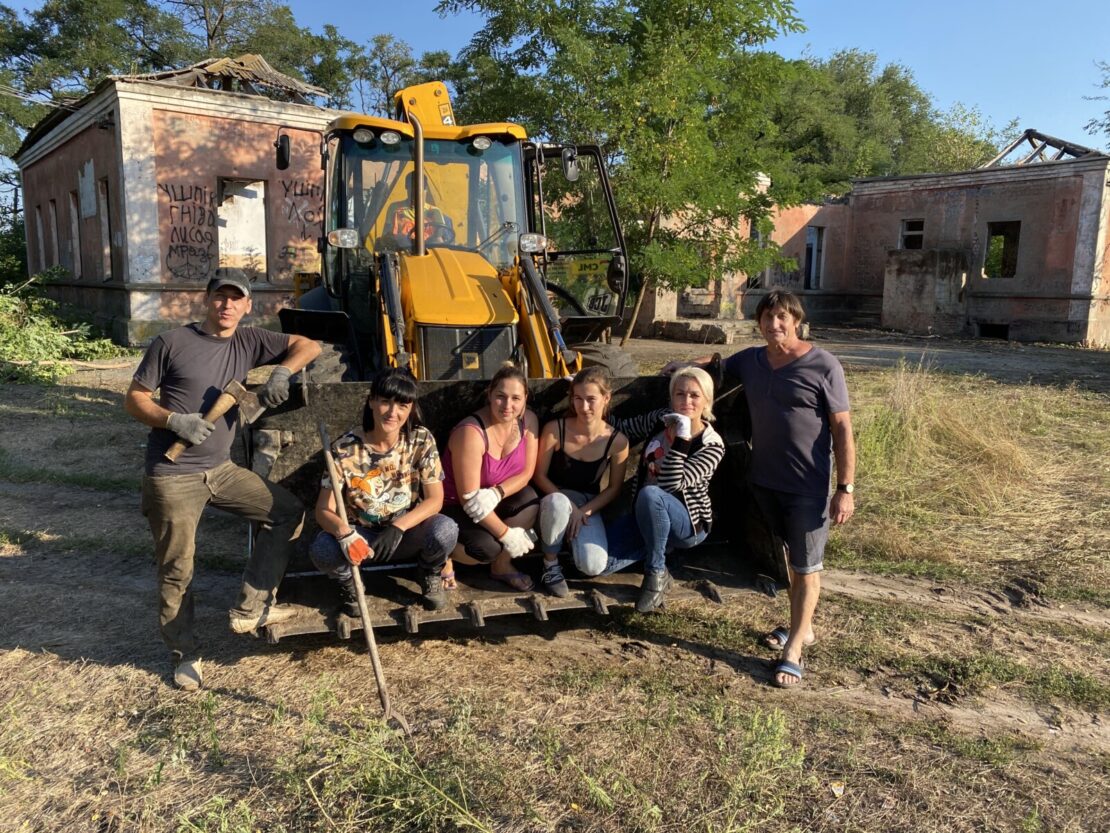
x: 229, y: 276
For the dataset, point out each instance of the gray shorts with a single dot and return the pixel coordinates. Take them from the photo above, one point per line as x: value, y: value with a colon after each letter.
x: 802, y: 521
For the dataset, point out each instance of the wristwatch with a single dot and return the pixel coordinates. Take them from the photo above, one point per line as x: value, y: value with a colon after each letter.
x: 845, y: 487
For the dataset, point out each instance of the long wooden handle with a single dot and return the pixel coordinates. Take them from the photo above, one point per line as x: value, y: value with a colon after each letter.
x: 221, y: 406
x: 360, y: 593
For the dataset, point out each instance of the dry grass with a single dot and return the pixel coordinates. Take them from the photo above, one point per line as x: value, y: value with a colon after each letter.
x: 964, y: 476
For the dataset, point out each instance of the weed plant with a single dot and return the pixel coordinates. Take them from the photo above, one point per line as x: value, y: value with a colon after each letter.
x: 38, y: 336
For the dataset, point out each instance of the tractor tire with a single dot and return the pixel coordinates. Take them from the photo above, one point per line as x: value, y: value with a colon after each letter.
x: 619, y: 363
x: 332, y: 365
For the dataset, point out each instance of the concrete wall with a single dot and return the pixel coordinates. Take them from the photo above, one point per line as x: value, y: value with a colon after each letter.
x: 924, y: 291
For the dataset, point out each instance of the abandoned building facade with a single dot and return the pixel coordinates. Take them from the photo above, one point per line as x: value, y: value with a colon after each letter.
x: 150, y: 183
x: 1018, y: 251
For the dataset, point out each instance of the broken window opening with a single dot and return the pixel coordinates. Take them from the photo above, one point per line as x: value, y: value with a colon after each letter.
x: 815, y: 256
x: 74, y: 236
x: 913, y: 234
x: 39, y: 238
x: 994, y: 331
x: 1000, y: 260
x: 760, y: 279
x: 105, y: 229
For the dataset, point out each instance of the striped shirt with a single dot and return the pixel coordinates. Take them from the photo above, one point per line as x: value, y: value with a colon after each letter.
x: 685, y: 469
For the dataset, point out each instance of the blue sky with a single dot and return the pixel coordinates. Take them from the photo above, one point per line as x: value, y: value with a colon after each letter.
x: 1024, y: 59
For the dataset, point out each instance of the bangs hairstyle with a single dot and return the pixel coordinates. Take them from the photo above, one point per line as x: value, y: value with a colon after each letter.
x: 394, y: 384
x: 508, y: 371
x: 595, y: 375
x: 781, y: 298
x: 705, y: 382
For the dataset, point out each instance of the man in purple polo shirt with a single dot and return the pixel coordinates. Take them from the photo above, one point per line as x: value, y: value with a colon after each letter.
x: 800, y: 421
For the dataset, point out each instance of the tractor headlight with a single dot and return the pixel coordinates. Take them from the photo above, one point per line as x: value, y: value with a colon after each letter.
x: 481, y: 143
x: 390, y: 137
x: 531, y: 243
x: 343, y: 238
x: 363, y: 135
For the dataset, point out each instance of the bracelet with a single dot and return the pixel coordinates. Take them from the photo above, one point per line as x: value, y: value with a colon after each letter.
x: 499, y: 490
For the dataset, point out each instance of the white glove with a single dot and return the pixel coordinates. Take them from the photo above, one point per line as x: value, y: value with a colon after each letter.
x: 516, y: 541
x: 681, y: 425
x: 480, y: 503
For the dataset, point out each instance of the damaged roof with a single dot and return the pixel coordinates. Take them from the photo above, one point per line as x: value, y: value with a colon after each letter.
x: 243, y: 74
x: 1044, y: 148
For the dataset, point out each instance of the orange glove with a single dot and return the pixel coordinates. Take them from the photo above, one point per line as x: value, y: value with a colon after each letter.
x: 354, y: 546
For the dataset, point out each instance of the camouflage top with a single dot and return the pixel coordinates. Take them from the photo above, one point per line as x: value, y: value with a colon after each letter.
x: 382, y: 486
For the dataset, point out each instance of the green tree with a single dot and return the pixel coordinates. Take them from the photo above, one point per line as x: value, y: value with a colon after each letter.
x: 1101, y: 124
x: 676, y: 92
x: 844, y: 118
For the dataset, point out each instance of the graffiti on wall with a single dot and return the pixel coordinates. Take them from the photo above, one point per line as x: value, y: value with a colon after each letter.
x: 303, y: 210
x: 303, y: 206
x: 190, y: 245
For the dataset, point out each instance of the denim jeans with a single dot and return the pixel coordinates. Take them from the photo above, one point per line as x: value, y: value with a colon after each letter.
x: 173, y: 504
x: 590, y: 547
x: 658, y: 524
x: 429, y: 542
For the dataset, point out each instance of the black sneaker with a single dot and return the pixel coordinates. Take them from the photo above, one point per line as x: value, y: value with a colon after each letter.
x: 553, y: 580
x: 431, y: 589
x: 653, y: 590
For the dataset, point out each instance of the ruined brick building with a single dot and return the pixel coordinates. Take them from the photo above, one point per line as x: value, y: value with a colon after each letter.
x: 1018, y: 249
x: 149, y: 183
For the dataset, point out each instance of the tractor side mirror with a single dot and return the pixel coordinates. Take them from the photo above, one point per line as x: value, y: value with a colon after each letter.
x: 615, y: 275
x: 570, y: 164
x: 282, y: 145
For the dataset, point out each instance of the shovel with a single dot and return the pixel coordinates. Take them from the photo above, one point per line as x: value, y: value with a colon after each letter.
x: 360, y: 594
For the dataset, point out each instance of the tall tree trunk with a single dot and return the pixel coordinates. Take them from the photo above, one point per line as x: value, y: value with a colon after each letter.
x: 653, y: 223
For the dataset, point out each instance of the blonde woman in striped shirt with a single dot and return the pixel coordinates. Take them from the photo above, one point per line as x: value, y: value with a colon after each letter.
x: 671, y: 489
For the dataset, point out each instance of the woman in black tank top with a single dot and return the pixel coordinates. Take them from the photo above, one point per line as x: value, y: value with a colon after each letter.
x: 576, y: 452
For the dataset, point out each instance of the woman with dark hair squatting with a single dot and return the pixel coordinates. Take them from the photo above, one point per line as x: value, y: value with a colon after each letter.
x: 490, y: 458
x: 580, y: 471
x: 671, y: 505
x: 393, y: 483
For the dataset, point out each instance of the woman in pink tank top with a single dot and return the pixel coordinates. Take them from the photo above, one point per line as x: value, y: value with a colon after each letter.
x: 489, y: 462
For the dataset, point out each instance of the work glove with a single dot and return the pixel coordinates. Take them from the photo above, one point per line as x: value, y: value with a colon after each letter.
x: 480, y: 503
x: 680, y: 423
x: 354, y: 546
x: 386, y: 543
x: 276, y: 389
x: 516, y: 541
x: 193, y: 428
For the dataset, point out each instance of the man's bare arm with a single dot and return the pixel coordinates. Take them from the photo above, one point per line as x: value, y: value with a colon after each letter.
x: 301, y: 351
x: 139, y: 403
x: 843, y: 505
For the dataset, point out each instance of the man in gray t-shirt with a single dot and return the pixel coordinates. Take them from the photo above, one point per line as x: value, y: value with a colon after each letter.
x: 189, y: 367
x: 800, y: 421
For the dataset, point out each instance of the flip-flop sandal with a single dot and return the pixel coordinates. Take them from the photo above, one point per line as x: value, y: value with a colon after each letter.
x: 777, y: 639
x: 791, y: 669
x: 449, y: 582
x: 515, y: 580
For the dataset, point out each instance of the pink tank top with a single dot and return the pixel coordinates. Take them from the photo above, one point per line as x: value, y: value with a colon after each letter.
x: 494, y: 471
